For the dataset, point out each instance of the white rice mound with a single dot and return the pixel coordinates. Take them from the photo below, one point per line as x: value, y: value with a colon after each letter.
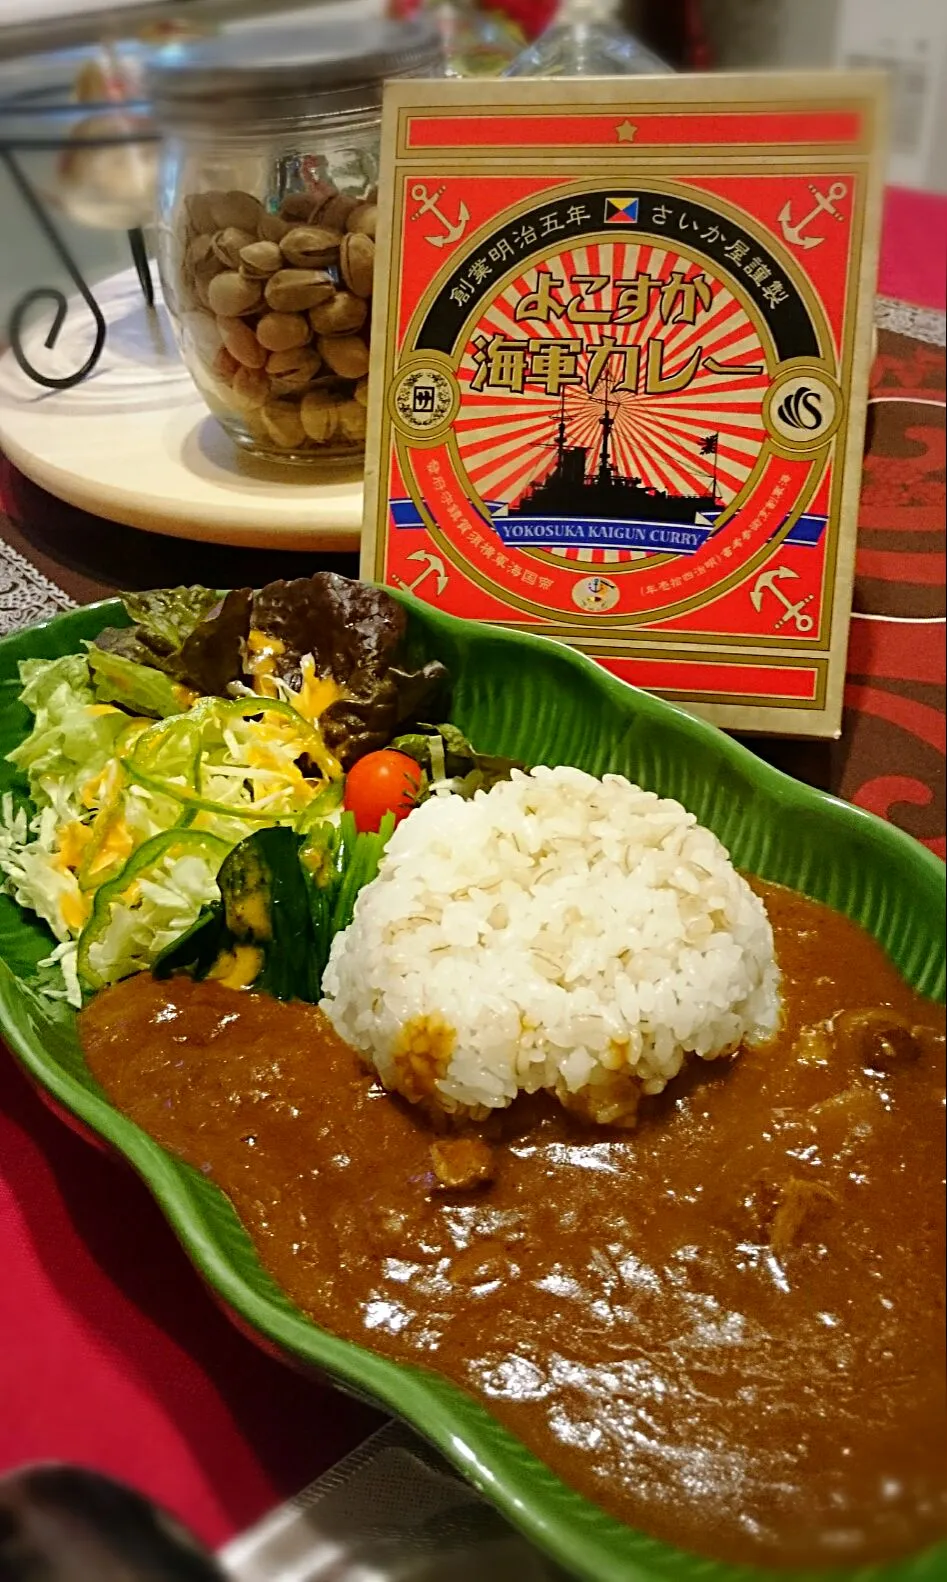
x: 557, y: 932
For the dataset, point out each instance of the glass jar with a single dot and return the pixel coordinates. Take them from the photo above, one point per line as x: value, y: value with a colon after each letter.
x: 266, y: 224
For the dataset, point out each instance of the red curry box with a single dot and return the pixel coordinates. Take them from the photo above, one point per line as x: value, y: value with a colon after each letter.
x: 621, y: 349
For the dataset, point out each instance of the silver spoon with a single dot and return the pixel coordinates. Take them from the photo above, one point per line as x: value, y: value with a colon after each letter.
x: 65, y: 1524
x: 391, y: 1511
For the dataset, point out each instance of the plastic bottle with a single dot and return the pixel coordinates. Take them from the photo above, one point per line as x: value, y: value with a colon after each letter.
x: 586, y: 39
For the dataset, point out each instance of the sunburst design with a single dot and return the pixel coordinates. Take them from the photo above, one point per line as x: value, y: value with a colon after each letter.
x: 507, y: 439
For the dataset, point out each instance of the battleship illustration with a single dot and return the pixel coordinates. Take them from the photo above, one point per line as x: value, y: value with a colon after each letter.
x: 570, y: 489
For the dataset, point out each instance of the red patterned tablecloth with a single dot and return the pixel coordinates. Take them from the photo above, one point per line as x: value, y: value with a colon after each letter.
x: 890, y: 757
x: 111, y: 1353
x: 891, y: 754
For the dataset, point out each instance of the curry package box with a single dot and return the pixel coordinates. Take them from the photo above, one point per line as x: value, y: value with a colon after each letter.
x: 622, y: 340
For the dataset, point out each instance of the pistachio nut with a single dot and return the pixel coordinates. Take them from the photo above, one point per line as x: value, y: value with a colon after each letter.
x: 360, y: 393
x: 295, y: 290
x: 253, y: 423
x: 250, y: 388
x: 334, y: 211
x: 300, y: 206
x: 346, y: 355
x: 227, y: 245
x: 231, y: 295
x: 342, y: 314
x: 363, y: 219
x: 241, y: 343
x: 284, y: 425
x: 208, y: 267
x: 235, y: 208
x: 352, y: 421
x: 357, y: 262
x: 291, y: 372
x: 272, y: 227
x: 200, y: 284
x: 199, y: 249
x: 319, y: 411
x: 216, y: 395
x: 310, y: 246
x: 200, y: 215
x: 296, y: 208
x: 280, y: 332
x: 224, y: 366
x: 259, y: 260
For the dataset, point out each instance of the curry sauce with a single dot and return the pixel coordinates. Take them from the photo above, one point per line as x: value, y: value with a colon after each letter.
x: 725, y: 1327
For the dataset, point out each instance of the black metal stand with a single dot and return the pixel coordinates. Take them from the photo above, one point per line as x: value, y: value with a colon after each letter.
x: 9, y: 150
x: 136, y: 239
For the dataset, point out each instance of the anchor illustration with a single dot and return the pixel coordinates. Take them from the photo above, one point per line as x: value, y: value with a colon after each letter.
x: 824, y: 204
x: 433, y: 565
x: 769, y: 582
x: 453, y: 230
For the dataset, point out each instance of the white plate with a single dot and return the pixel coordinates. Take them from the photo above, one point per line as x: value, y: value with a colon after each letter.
x: 15, y: 11
x: 135, y: 443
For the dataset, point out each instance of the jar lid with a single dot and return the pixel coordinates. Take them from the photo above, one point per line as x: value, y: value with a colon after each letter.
x: 280, y: 72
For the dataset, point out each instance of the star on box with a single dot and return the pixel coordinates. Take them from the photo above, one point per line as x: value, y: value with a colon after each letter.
x: 625, y: 132
x: 621, y: 211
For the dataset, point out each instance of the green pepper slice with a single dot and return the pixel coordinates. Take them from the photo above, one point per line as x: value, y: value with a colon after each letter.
x: 178, y: 745
x: 148, y: 856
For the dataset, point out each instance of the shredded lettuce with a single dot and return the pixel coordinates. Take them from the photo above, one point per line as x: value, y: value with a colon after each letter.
x: 72, y: 739
x: 30, y: 874
x: 103, y: 784
x: 57, y: 976
x: 155, y: 910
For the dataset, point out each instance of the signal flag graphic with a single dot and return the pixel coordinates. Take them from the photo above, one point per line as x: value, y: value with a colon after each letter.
x: 621, y: 211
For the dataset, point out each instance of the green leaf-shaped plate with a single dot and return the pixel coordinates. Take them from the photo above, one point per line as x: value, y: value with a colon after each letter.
x: 534, y: 700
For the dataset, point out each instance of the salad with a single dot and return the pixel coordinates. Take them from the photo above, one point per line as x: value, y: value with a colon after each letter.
x: 214, y: 756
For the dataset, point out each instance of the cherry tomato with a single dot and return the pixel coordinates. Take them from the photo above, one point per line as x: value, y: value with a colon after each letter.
x: 380, y: 783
